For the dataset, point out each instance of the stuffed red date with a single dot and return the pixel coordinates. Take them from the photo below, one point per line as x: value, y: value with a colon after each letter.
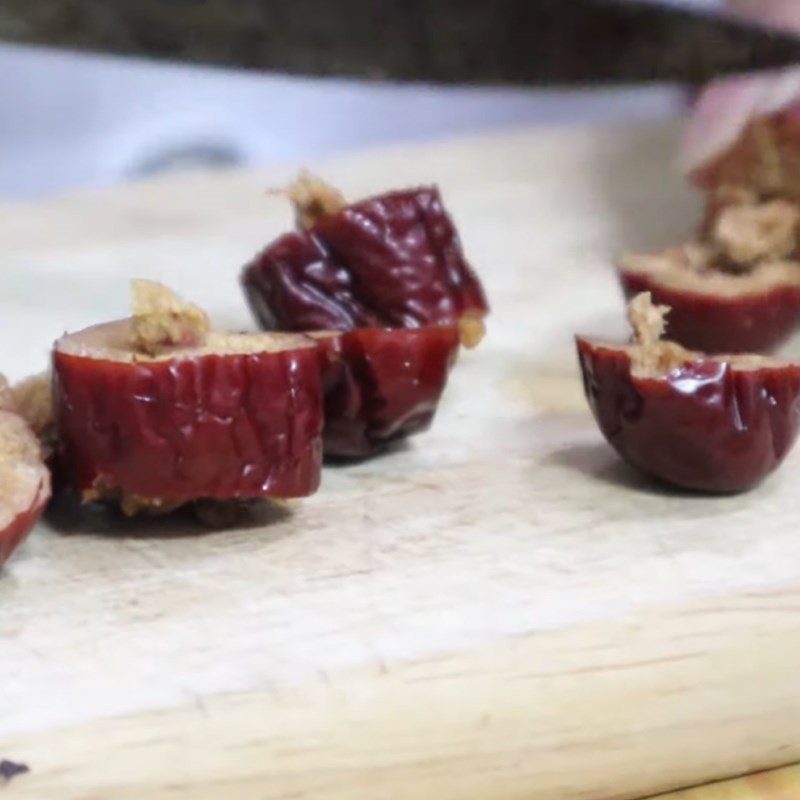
x: 716, y: 424
x: 186, y: 417
x: 390, y: 261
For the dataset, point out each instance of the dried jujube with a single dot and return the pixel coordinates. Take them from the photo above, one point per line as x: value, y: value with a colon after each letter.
x: 228, y: 416
x: 716, y: 424
x: 736, y: 291
x: 381, y: 385
x: 390, y: 261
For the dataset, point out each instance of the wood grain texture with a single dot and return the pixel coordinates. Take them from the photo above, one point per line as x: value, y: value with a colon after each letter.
x: 499, y: 610
x: 780, y: 784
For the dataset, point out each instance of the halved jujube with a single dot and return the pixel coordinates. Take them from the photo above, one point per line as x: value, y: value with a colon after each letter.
x: 239, y: 416
x: 717, y: 424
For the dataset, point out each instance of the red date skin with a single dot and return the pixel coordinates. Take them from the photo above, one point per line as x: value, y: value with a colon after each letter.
x: 705, y: 426
x: 392, y: 261
x: 15, y: 533
x: 752, y: 323
x: 382, y: 385
x: 209, y: 426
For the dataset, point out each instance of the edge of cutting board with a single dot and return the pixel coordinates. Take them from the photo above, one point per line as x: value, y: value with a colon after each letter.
x: 347, y: 733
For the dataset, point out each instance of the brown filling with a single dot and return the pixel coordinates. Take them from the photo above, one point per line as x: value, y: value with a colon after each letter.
x: 746, y: 234
x: 209, y: 512
x: 130, y: 504
x: 313, y: 199
x: 750, y: 248
x: 471, y: 329
x: 112, y: 341
x: 732, y: 195
x: 161, y: 319
x: 34, y: 402
x: 654, y: 357
x: 651, y: 356
x: 17, y: 441
x: 697, y: 267
x: 23, y: 475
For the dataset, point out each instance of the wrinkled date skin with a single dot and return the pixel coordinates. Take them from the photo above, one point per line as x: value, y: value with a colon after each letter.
x: 752, y: 323
x: 381, y: 385
x: 391, y: 261
x: 208, y: 426
x: 706, y: 426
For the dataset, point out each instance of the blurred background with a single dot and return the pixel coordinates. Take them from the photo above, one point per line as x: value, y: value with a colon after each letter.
x: 72, y: 120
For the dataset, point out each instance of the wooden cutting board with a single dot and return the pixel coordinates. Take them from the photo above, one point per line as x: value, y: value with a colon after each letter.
x: 778, y: 784
x: 499, y: 610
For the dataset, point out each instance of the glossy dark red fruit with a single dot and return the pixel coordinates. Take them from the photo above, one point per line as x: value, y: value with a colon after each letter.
x: 717, y: 312
x: 382, y: 384
x: 710, y: 424
x: 392, y: 261
x: 24, y: 481
x: 238, y: 417
x: 712, y: 323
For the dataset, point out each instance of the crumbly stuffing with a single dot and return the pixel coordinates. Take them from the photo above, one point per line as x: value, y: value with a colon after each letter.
x: 31, y: 401
x: 695, y: 268
x: 24, y: 479
x: 694, y: 257
x: 731, y: 195
x: 748, y: 245
x: 648, y: 320
x: 313, y: 199
x: 161, y: 319
x: 213, y: 514
x: 748, y: 233
x: 471, y: 329
x: 651, y: 355
x: 17, y: 442
x: 132, y: 505
x: 34, y: 403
